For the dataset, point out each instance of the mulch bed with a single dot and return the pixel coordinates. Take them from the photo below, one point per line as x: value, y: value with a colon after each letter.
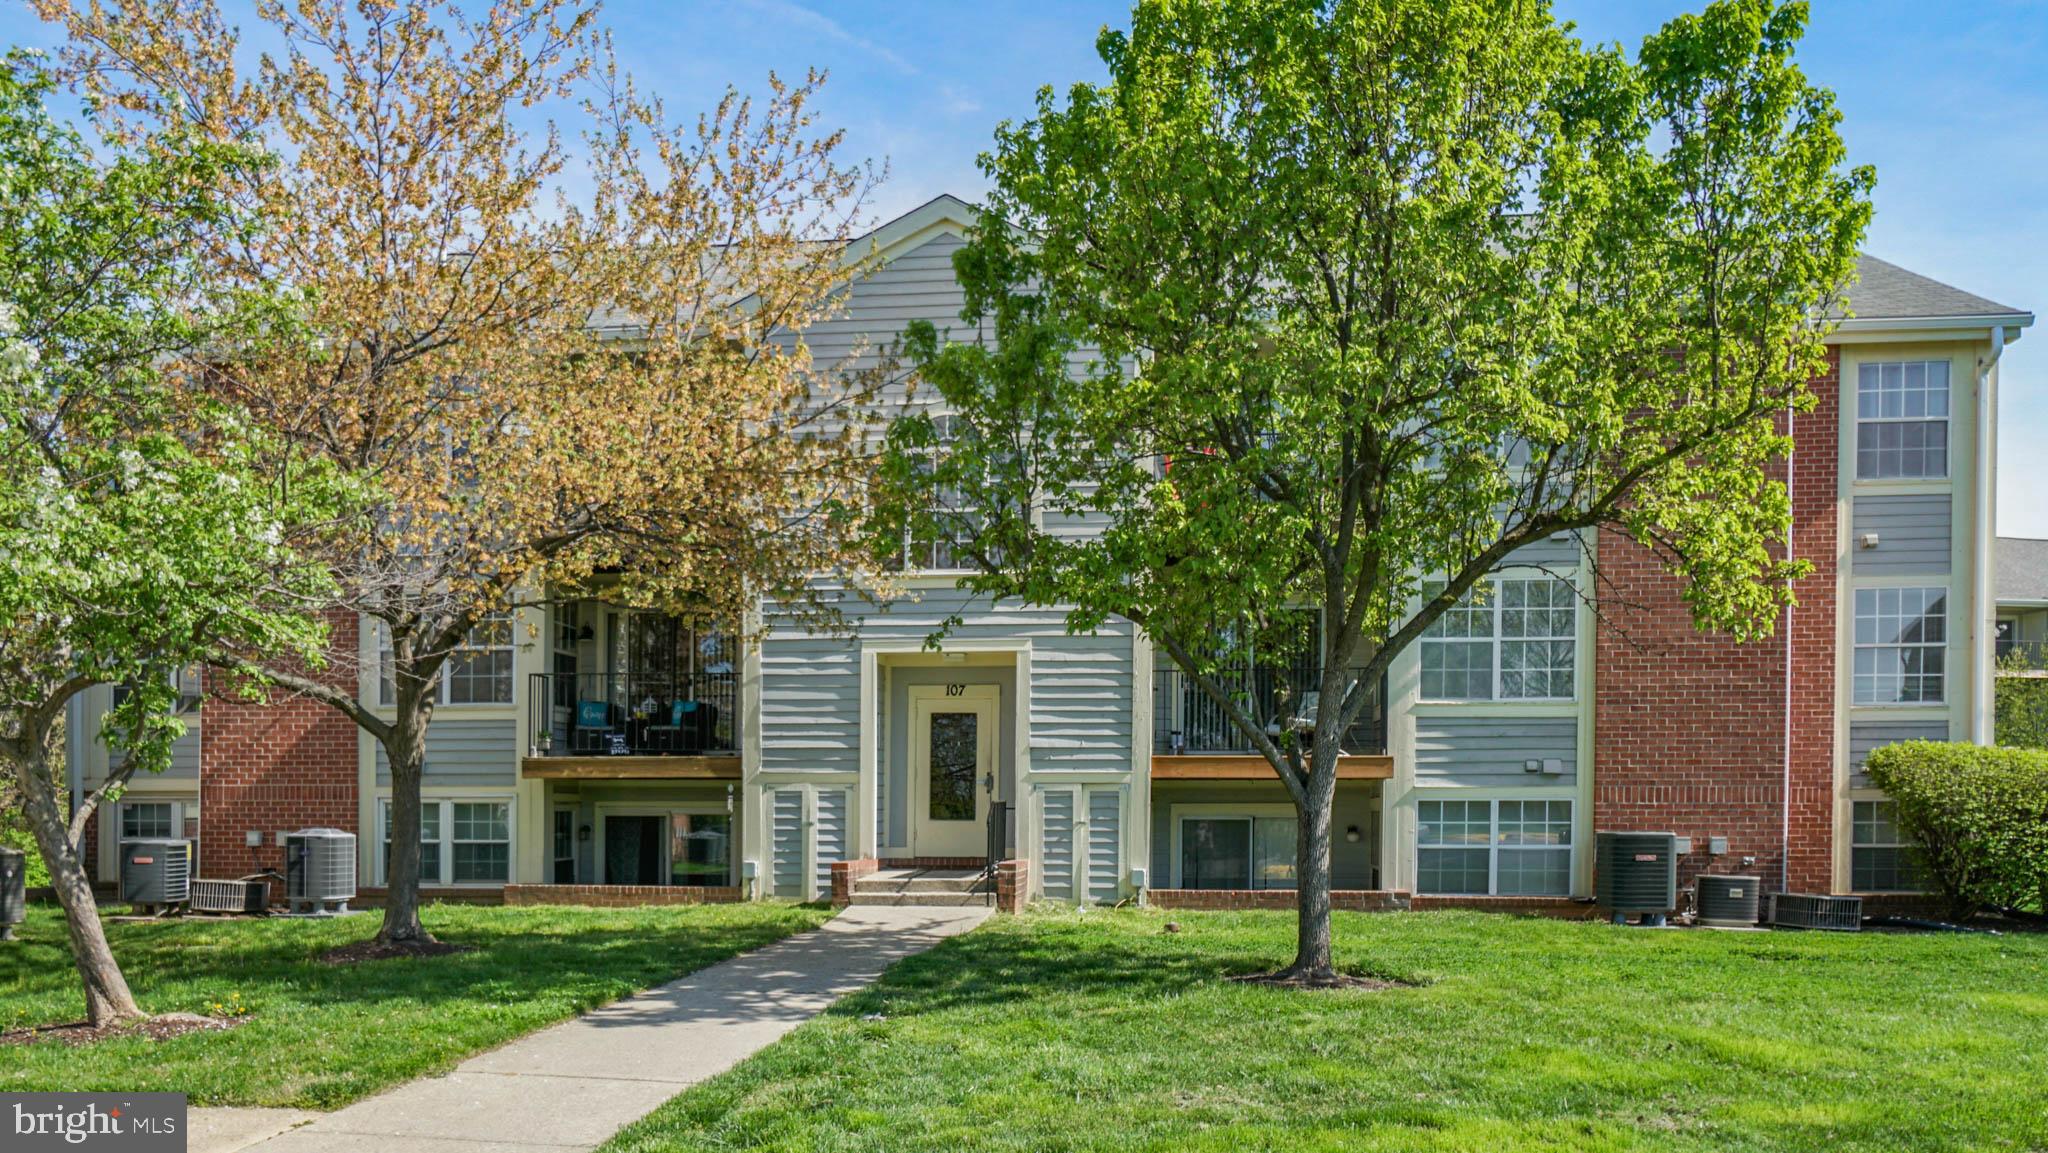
x: 376, y: 950
x: 161, y: 1028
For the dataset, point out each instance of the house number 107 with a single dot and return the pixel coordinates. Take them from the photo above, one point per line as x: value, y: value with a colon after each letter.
x: 956, y: 690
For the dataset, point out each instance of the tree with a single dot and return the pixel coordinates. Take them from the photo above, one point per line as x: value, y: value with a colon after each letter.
x: 133, y: 532
x: 552, y: 363
x: 1375, y: 294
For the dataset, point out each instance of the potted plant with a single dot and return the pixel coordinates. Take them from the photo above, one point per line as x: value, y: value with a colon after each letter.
x: 543, y: 741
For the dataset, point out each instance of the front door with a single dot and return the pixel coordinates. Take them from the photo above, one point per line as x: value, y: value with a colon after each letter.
x: 953, y: 730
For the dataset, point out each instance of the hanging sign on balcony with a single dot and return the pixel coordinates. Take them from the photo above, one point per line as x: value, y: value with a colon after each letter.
x: 616, y: 744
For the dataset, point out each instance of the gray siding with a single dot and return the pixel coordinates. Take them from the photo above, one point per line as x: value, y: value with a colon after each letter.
x: 1491, y: 751
x: 1866, y: 736
x: 1912, y: 533
x: 786, y: 843
x: 465, y: 752
x: 1080, y: 685
x: 185, y: 752
x: 1056, y: 849
x: 1558, y: 553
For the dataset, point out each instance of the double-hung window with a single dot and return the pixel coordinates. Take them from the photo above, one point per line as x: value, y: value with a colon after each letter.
x: 1505, y: 848
x: 461, y: 842
x: 1510, y: 638
x: 1902, y: 420
x: 477, y: 672
x: 1901, y: 646
x: 936, y: 546
x: 1881, y: 858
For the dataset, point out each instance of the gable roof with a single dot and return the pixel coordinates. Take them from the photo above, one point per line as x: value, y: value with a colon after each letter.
x: 2020, y: 565
x: 1885, y: 291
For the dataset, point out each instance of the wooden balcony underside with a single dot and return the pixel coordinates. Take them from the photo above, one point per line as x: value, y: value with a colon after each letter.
x: 708, y: 768
x: 1252, y: 767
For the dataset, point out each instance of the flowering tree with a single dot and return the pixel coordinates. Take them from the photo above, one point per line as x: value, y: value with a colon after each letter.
x: 549, y: 362
x: 135, y: 533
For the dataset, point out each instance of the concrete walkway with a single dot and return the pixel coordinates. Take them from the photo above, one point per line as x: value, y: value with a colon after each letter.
x: 571, y: 1086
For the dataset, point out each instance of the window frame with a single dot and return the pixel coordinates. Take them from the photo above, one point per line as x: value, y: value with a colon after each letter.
x: 444, y: 843
x: 467, y: 651
x: 1946, y: 420
x: 1902, y: 864
x: 1858, y: 646
x: 913, y: 554
x: 1495, y: 641
x: 174, y: 820
x: 1495, y: 844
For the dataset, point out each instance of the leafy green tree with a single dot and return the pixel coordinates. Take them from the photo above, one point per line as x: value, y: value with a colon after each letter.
x: 135, y: 530
x: 1371, y: 294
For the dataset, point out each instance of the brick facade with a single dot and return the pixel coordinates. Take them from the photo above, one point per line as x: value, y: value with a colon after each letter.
x: 621, y: 896
x: 277, y: 764
x: 1013, y: 883
x: 844, y: 874
x: 1690, y: 727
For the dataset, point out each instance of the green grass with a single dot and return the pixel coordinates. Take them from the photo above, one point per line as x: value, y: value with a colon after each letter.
x: 1066, y: 1031
x: 319, y: 1036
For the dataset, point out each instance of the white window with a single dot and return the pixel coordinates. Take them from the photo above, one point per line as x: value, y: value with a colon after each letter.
x: 1902, y: 420
x: 478, y: 671
x: 1510, y: 638
x: 1881, y: 858
x: 1232, y: 851
x: 148, y: 819
x: 929, y: 550
x: 1901, y: 645
x: 1506, y: 848
x: 461, y: 842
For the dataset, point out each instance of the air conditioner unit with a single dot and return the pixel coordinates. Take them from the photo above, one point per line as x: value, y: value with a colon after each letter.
x: 1816, y: 911
x: 156, y: 873
x: 1636, y: 873
x: 319, y: 870
x: 1729, y: 902
x: 229, y: 896
x: 13, y: 891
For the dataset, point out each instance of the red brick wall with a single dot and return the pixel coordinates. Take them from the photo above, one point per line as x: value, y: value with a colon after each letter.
x: 1689, y: 727
x: 280, y: 764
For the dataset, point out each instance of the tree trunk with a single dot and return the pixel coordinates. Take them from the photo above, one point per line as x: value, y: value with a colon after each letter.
x: 107, y: 998
x: 407, y: 751
x: 1312, y: 956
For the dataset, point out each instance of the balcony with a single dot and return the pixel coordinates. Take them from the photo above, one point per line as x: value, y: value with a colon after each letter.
x: 2022, y: 658
x: 633, y: 725
x: 1194, y: 738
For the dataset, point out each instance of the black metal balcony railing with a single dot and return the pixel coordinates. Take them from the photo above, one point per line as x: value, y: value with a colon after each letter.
x: 2022, y: 656
x: 1188, y: 720
x: 654, y: 714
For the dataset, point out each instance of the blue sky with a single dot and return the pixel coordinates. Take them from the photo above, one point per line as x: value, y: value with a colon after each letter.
x: 1947, y: 99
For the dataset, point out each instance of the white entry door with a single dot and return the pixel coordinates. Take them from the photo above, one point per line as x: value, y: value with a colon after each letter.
x: 953, y: 730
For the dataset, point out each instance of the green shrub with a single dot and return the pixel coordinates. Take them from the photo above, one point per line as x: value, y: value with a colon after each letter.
x: 1979, y: 815
x: 2021, y: 705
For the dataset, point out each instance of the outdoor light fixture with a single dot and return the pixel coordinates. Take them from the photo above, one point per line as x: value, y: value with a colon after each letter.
x: 1352, y: 834
x: 583, y: 832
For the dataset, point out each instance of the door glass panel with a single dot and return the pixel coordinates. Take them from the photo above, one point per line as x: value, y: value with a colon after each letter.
x: 1215, y: 853
x: 632, y: 850
x: 955, y: 749
x: 700, y: 849
x: 1273, y: 853
x: 565, y: 847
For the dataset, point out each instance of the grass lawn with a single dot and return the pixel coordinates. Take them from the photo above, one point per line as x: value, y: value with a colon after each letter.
x: 318, y: 1036
x: 1063, y: 1030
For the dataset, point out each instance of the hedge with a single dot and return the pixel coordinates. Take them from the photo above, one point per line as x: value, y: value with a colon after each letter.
x: 1979, y: 816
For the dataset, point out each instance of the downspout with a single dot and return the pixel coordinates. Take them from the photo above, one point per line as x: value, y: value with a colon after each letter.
x: 1785, y: 786
x: 1982, y: 609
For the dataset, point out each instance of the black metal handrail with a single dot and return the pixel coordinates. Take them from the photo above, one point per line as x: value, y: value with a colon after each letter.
x: 1188, y: 720
x: 634, y: 714
x: 1001, y: 829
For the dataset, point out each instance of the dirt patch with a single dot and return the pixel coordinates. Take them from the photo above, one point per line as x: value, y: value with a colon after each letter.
x: 161, y: 1028
x: 1285, y: 980
x: 376, y: 950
